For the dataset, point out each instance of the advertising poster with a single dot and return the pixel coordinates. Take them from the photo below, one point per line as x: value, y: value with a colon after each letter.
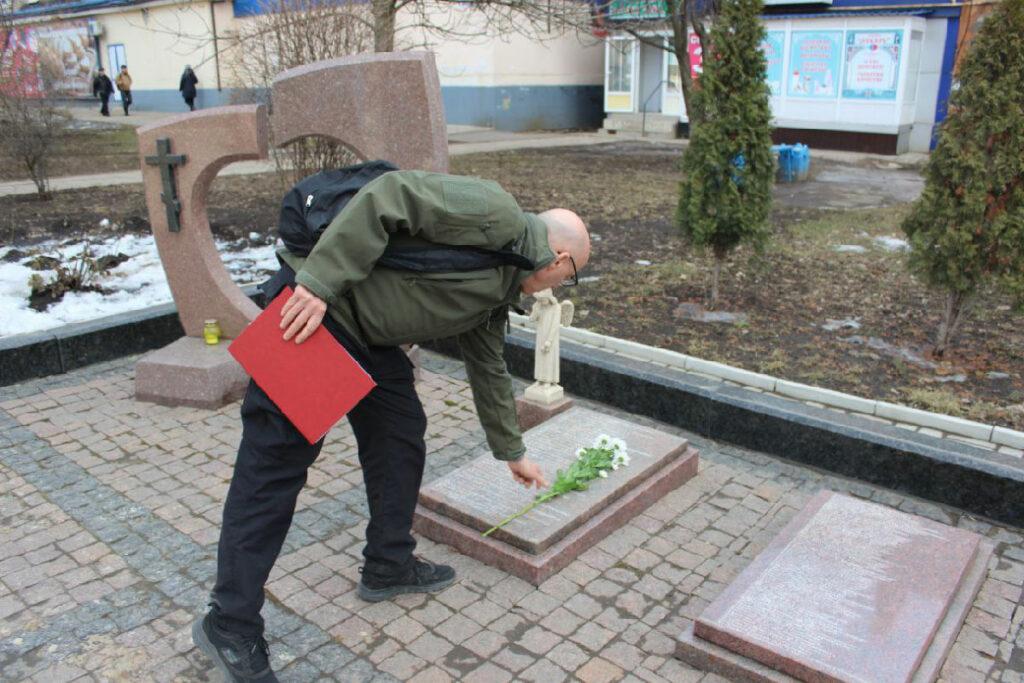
x: 814, y: 64
x: 772, y: 47
x: 19, y: 64
x: 872, y: 64
x: 696, y: 55
x: 58, y: 57
x: 66, y: 56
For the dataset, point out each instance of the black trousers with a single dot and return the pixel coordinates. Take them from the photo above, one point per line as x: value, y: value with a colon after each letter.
x: 126, y: 100
x: 389, y: 426
x: 105, y: 100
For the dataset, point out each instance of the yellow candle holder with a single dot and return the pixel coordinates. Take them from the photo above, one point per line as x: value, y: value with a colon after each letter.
x: 211, y: 332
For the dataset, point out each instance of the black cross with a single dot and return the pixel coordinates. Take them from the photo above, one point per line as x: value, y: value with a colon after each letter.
x: 167, y: 161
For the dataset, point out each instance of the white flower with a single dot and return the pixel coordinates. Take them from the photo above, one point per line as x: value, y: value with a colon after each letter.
x: 604, y: 475
x: 615, y: 465
x: 580, y: 453
x: 602, y: 441
x: 620, y: 459
x: 618, y: 445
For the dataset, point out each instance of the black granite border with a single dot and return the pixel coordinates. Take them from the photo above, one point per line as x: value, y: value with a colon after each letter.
x: 978, y: 481
x: 62, y: 349
x: 942, y: 470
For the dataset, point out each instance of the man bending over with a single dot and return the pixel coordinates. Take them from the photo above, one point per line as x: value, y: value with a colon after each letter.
x: 371, y: 309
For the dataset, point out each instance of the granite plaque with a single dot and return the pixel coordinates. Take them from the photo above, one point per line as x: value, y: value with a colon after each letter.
x: 848, y: 591
x: 456, y: 508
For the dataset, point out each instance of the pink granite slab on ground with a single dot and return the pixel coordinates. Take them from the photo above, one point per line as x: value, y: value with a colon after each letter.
x: 848, y: 591
x: 538, y: 568
x: 481, y: 493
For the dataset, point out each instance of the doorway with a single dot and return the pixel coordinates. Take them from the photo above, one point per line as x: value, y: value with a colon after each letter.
x: 115, y: 59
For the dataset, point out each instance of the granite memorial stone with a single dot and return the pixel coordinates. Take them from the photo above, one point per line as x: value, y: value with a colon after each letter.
x: 848, y: 591
x: 456, y: 508
x: 385, y: 106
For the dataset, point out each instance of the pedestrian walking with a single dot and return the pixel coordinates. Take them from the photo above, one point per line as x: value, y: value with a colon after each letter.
x: 187, y: 87
x: 103, y: 88
x: 124, y: 85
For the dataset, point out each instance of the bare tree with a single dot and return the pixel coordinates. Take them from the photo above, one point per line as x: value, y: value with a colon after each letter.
x: 289, y: 33
x: 31, y: 123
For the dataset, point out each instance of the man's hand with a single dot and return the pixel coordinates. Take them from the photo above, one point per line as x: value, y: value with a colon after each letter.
x: 527, y: 473
x: 302, y: 314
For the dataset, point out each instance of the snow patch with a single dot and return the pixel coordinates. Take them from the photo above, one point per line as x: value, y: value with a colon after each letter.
x: 137, y: 283
x: 831, y: 325
x: 892, y: 243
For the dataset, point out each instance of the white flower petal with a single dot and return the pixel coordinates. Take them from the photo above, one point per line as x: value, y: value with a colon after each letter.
x: 604, y: 475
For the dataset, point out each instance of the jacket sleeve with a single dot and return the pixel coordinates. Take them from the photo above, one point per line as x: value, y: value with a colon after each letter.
x: 492, y: 386
x: 356, y: 238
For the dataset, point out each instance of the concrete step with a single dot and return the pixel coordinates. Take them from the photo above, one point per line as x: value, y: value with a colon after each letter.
x: 656, y: 124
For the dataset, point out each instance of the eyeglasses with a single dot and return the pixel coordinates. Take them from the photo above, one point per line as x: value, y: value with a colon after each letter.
x: 575, y: 280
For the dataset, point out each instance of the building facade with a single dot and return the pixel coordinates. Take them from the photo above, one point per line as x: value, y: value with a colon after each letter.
x: 866, y: 75
x: 504, y: 80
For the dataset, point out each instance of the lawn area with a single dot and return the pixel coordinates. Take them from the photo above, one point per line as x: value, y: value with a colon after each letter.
x: 852, y: 320
x: 83, y: 152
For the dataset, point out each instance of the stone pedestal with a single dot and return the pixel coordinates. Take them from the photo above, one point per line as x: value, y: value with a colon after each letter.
x: 532, y: 413
x: 457, y: 508
x: 544, y: 393
x: 848, y: 591
x: 189, y: 372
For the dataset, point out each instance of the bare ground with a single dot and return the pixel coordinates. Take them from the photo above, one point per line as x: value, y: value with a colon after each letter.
x: 627, y: 193
x: 84, y: 151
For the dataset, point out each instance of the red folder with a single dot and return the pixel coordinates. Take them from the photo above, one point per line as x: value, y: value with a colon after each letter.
x: 314, y: 383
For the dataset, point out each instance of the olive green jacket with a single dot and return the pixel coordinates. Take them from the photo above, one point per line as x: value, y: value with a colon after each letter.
x: 385, y: 307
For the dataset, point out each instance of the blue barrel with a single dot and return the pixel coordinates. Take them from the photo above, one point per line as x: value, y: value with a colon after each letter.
x: 802, y: 161
x: 787, y: 169
x: 794, y: 162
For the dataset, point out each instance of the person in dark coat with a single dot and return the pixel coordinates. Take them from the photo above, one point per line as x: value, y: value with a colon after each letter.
x: 103, y: 88
x: 187, y: 87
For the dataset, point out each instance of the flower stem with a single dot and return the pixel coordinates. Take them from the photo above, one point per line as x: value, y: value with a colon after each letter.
x: 505, y: 521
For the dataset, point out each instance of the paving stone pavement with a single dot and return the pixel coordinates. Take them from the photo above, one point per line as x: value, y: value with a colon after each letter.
x: 109, y: 511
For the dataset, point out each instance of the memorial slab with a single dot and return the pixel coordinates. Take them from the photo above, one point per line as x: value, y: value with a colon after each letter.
x: 848, y: 591
x: 457, y: 508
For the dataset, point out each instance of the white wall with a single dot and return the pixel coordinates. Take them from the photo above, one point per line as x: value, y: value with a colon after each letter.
x: 485, y: 56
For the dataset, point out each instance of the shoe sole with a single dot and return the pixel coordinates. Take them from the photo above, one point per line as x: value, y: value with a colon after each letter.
x: 380, y: 594
x: 204, y: 644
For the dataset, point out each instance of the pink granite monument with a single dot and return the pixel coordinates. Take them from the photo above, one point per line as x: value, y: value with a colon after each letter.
x: 382, y: 106
x: 848, y: 591
x: 458, y: 507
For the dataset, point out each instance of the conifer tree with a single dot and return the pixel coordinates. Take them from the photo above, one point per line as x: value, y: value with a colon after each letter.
x: 728, y: 170
x: 967, y: 229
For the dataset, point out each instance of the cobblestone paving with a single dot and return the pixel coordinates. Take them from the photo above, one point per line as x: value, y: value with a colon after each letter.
x: 109, y: 511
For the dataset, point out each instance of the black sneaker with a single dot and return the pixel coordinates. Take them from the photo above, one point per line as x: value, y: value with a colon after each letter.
x: 421, y: 577
x: 239, y: 658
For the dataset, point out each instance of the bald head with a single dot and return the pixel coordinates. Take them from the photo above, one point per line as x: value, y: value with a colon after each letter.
x: 567, y: 233
x: 569, y: 239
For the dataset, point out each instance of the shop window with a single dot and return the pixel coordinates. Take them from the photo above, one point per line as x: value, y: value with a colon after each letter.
x: 620, y: 66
